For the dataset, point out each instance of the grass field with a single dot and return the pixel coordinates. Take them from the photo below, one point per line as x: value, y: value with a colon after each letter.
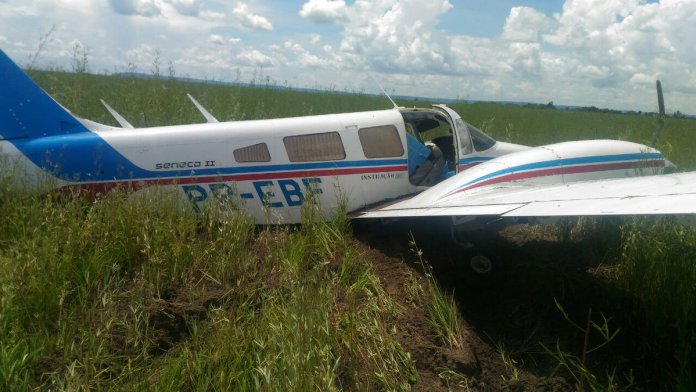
x: 129, y: 294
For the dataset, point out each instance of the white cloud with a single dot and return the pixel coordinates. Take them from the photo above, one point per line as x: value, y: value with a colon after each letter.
x: 212, y: 15
x: 254, y: 58
x: 220, y: 40
x: 621, y: 42
x: 325, y: 11
x: 602, y: 53
x: 146, y: 8
x: 392, y: 35
x: 248, y: 20
x: 141, y: 56
x: 524, y: 24
x: 186, y: 7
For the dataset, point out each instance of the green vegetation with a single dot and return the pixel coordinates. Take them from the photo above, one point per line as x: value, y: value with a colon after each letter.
x: 441, y: 308
x: 153, y: 102
x: 658, y: 266
x: 537, y: 126
x: 136, y: 294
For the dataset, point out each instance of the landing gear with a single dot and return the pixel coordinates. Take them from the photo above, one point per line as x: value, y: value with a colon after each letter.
x: 479, y: 265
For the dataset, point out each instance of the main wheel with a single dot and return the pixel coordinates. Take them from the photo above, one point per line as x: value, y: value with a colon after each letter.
x: 480, y: 264
x: 479, y: 267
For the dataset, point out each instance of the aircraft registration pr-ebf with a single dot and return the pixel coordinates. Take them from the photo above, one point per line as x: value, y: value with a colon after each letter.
x: 365, y: 159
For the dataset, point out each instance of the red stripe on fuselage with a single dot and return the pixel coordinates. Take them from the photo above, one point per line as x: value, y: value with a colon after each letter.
x: 565, y: 170
x: 134, y: 185
x: 469, y: 165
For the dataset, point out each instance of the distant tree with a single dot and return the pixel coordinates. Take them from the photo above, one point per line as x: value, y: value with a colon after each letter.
x: 170, y: 70
x: 80, y: 58
x: 156, y: 62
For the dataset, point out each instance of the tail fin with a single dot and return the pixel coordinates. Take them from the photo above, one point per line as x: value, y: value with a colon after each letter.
x: 26, y: 111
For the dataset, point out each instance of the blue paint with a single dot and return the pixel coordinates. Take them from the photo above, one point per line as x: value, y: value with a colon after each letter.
x: 54, y: 140
x: 222, y: 192
x: 566, y: 162
x: 466, y: 161
x: 312, y: 185
x: 266, y: 195
x: 196, y: 194
x: 87, y: 157
x: 417, y: 153
x: 292, y: 192
x: 26, y: 111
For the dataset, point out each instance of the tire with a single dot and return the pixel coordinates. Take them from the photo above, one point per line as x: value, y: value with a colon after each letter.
x: 479, y: 267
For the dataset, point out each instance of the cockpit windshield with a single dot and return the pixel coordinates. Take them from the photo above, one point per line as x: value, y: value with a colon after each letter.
x: 482, y: 142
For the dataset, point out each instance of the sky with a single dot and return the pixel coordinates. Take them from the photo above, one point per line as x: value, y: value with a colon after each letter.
x: 604, y: 53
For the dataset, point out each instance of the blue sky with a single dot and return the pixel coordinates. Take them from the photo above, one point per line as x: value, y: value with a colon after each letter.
x: 605, y: 53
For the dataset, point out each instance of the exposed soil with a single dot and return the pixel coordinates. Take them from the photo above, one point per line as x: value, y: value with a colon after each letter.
x: 505, y: 321
x: 513, y: 314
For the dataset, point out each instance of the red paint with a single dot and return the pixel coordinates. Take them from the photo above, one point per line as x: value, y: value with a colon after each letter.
x: 565, y: 170
x: 469, y: 165
x: 97, y: 188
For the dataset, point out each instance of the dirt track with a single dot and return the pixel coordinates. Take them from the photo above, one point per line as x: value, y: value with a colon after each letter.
x: 513, y: 315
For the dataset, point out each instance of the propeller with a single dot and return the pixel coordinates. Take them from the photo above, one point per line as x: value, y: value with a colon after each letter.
x: 661, y: 118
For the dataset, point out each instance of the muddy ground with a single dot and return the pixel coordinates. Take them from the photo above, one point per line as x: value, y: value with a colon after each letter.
x: 508, y: 318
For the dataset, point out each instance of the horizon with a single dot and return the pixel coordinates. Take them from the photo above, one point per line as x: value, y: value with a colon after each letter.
x: 571, y: 52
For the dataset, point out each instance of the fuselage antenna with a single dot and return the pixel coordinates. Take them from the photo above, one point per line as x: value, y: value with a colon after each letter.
x: 385, y: 92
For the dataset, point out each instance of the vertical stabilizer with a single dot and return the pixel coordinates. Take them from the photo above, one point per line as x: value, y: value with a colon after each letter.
x: 26, y: 111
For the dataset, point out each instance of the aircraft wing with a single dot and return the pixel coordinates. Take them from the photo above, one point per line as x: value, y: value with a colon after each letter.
x: 673, y: 194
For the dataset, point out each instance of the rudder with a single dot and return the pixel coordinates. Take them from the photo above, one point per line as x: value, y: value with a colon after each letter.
x: 26, y: 111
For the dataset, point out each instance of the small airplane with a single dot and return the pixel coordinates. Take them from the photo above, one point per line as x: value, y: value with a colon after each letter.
x: 366, y: 160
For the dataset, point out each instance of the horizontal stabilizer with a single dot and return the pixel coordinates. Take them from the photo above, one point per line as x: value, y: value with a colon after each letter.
x: 122, y: 121
x: 208, y: 117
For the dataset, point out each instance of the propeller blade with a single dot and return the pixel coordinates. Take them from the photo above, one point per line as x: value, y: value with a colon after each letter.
x: 661, y: 117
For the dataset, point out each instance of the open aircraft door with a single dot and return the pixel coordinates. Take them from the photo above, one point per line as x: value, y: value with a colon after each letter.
x: 462, y: 138
x: 472, y: 145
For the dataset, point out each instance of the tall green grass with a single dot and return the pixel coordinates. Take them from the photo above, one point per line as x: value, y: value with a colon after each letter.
x: 658, y: 267
x: 537, y: 126
x: 135, y: 293
x: 154, y: 102
x: 138, y: 294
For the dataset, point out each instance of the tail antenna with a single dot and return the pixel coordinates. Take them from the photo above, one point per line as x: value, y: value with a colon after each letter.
x: 661, y: 117
x: 385, y: 92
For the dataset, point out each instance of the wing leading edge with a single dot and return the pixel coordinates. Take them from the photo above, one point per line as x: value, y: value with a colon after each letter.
x: 673, y: 194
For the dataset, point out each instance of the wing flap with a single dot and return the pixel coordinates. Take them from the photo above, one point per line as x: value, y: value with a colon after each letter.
x: 481, y: 210
x: 643, y: 205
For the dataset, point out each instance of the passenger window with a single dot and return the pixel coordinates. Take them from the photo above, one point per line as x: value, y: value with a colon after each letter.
x: 381, y: 142
x: 315, y: 147
x: 482, y: 142
x: 254, y: 153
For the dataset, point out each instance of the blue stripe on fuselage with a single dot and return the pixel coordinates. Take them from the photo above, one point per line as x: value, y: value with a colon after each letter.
x: 86, y: 157
x: 466, y: 161
x: 566, y: 162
